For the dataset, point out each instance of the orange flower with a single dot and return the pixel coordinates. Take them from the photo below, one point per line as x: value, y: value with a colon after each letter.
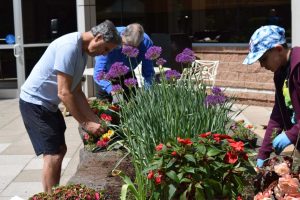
x: 115, y: 108
x: 184, y: 141
x: 159, y: 147
x: 230, y: 157
x: 249, y: 126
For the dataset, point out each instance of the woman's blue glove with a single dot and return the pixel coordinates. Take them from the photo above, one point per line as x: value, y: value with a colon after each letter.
x: 259, y: 163
x: 280, y: 142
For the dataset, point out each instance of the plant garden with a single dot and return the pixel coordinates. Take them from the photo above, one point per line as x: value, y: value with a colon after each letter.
x: 181, y: 139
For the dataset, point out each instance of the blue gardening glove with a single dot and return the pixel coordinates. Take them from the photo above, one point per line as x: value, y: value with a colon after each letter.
x: 259, y: 163
x: 280, y: 142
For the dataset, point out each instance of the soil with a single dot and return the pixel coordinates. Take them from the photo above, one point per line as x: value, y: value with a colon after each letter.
x: 94, y: 171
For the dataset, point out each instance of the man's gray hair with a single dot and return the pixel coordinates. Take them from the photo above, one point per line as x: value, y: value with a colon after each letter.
x: 133, y: 34
x: 108, y: 31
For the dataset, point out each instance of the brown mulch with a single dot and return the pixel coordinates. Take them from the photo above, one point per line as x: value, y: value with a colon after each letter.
x: 94, y: 171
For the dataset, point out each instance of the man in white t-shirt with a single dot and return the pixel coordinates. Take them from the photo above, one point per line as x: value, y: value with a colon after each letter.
x: 57, y: 78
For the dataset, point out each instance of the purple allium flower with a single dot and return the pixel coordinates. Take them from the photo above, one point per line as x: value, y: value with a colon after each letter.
x: 212, y: 100
x: 185, y: 58
x: 117, y: 88
x: 161, y: 61
x: 172, y: 75
x: 130, y: 51
x: 101, y: 75
x: 188, y: 51
x: 117, y: 70
x: 130, y: 82
x: 216, y: 90
x: 153, y: 53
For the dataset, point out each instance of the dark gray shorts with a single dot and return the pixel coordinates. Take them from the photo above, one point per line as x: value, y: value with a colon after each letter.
x: 46, y: 129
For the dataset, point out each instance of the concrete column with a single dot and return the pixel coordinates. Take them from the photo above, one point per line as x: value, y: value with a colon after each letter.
x: 295, y: 23
x: 86, y: 19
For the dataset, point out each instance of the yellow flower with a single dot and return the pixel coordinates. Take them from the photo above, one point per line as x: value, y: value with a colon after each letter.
x: 108, y: 135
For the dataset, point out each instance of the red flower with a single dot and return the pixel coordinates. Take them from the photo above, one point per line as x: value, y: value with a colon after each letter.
x: 204, y: 135
x: 239, y: 197
x: 218, y: 137
x: 231, y: 140
x: 102, y: 143
x: 86, y: 136
x: 159, y: 147
x: 184, y: 141
x: 174, y: 153
x: 237, y: 146
x: 230, y: 157
x: 150, y: 174
x: 158, y: 179
x: 105, y: 117
x: 97, y: 196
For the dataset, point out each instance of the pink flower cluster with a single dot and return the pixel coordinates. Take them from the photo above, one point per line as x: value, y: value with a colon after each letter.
x: 287, y: 187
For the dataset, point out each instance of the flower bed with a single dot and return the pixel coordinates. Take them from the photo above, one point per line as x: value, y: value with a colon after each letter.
x: 70, y: 192
x: 109, y: 119
x: 245, y: 133
x: 212, y: 166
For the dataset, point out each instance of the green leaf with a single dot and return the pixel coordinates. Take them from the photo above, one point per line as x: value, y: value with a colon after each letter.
x: 172, y: 190
x: 225, y: 174
x: 180, y: 175
x: 213, y: 152
x: 189, y: 170
x: 185, y: 180
x: 240, y: 169
x: 190, y: 158
x: 202, y: 169
x: 201, y: 148
x: 198, y: 185
x: 183, y: 196
x: 172, y: 175
x: 146, y: 170
x: 172, y: 161
x: 124, y: 190
x: 199, y: 194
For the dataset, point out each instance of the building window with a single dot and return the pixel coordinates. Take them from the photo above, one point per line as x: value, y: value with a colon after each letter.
x: 224, y: 21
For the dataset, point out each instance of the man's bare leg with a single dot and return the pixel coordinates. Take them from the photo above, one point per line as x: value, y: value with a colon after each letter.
x: 52, y: 169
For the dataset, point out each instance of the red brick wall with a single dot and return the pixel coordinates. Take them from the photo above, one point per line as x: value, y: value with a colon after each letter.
x: 250, y: 84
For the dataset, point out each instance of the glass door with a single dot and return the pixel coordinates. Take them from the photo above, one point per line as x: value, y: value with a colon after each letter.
x: 11, y: 53
x: 27, y: 28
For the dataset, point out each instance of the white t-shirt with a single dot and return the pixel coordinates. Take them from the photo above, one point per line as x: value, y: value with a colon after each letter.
x: 64, y: 55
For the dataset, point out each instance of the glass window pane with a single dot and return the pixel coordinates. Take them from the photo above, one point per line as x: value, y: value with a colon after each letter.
x: 231, y: 21
x: 8, y: 73
x: 37, y: 16
x: 6, y: 19
x: 32, y: 56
